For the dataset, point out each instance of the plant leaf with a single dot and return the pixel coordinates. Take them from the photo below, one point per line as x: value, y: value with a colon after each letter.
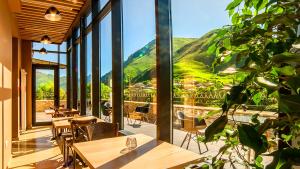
x: 233, y: 4
x: 289, y: 104
x: 249, y: 137
x: 216, y: 127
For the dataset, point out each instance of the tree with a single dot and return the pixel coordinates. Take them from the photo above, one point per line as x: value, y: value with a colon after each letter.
x: 262, y: 41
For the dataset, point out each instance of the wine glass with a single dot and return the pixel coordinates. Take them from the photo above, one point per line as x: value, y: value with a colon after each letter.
x: 131, y: 143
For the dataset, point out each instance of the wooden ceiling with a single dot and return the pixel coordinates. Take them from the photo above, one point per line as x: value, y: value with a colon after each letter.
x: 33, y: 26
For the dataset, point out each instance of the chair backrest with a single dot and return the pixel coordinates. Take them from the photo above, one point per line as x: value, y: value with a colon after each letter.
x: 79, y: 128
x: 142, y: 109
x: 103, y: 130
x: 180, y: 117
x: 71, y: 113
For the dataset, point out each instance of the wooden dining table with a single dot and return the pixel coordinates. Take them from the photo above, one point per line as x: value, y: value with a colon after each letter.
x: 64, y: 123
x: 149, y: 154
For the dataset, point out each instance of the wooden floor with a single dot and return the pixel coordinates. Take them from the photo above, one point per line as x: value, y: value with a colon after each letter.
x: 35, y: 150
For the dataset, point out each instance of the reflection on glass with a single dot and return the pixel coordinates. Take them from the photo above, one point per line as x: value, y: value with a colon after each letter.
x: 139, y: 66
x: 106, y: 66
x: 44, y: 82
x: 88, y: 73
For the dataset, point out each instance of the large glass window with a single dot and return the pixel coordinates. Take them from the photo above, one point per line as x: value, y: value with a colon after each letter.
x: 105, y: 68
x: 88, y: 73
x: 197, y: 88
x: 139, y: 66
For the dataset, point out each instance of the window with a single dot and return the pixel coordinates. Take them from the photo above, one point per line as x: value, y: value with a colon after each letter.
x: 139, y: 66
x: 105, y: 66
x: 197, y: 89
x: 63, y: 79
x: 88, y: 19
x: 103, y: 3
x: 88, y: 73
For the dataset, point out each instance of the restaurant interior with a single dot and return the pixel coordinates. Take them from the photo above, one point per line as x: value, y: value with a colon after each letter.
x: 139, y: 84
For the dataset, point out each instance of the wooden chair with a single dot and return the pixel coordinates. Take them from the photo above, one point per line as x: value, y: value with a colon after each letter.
x: 103, y: 130
x: 106, y: 111
x: 192, y: 126
x: 79, y: 133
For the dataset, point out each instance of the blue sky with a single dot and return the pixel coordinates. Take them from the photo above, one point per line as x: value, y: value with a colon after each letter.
x: 190, y: 19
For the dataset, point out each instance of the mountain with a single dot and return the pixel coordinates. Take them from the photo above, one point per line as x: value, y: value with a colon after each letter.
x: 43, y: 77
x: 190, y: 60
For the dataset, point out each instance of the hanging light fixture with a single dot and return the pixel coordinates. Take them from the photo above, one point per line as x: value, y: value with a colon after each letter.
x: 46, y: 39
x: 53, y: 14
x: 43, y: 51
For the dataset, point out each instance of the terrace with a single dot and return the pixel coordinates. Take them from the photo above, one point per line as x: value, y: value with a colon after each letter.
x: 152, y: 84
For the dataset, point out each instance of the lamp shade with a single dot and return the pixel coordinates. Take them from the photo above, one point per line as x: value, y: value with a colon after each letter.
x: 46, y: 39
x: 43, y: 51
x: 53, y: 14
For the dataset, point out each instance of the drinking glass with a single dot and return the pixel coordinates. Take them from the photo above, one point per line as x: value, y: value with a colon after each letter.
x: 131, y: 143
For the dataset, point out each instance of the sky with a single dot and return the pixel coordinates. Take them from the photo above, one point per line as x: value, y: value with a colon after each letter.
x: 190, y: 19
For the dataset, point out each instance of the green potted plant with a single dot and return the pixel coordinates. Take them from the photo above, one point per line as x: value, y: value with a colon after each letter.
x: 263, y: 41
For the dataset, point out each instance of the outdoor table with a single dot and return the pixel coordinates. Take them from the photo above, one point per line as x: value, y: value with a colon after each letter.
x: 150, y: 153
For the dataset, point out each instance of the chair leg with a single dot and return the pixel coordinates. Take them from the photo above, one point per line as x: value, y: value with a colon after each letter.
x: 74, y: 160
x: 198, y: 142
x: 190, y: 136
x: 184, y: 139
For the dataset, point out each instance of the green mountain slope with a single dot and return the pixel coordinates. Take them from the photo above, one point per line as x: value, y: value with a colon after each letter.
x: 190, y: 60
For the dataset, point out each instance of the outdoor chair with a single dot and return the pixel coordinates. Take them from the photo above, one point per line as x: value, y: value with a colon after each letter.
x: 140, y: 113
x: 106, y: 111
x: 194, y: 128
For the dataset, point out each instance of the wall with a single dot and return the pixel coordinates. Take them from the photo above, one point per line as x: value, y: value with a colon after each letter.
x: 8, y: 29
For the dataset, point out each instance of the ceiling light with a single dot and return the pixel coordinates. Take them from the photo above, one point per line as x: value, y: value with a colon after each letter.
x: 53, y: 14
x: 43, y: 51
x: 46, y: 39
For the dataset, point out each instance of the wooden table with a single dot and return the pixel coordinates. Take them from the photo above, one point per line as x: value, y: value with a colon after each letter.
x: 150, y: 153
x: 62, y: 124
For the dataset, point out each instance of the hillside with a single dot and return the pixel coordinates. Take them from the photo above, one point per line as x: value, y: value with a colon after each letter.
x: 190, y: 60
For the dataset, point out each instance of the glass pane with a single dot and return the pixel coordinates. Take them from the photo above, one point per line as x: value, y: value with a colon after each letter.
x: 63, y: 47
x: 106, y: 67
x: 77, y: 32
x: 48, y: 47
x: 197, y: 89
x: 63, y: 80
x: 103, y: 3
x: 44, y: 83
x: 88, y: 73
x: 88, y: 19
x: 78, y: 74
x: 139, y: 66
x: 49, y: 58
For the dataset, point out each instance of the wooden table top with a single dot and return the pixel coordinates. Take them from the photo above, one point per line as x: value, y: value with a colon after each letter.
x: 150, y: 153
x: 64, y: 123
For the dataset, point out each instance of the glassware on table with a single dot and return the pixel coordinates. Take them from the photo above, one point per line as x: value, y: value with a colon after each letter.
x: 131, y: 143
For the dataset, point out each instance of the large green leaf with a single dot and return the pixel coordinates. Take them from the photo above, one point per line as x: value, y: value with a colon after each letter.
x: 289, y: 104
x: 249, y: 137
x: 233, y: 4
x: 294, y: 84
x: 216, y: 127
x: 286, y: 57
x: 286, y: 70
